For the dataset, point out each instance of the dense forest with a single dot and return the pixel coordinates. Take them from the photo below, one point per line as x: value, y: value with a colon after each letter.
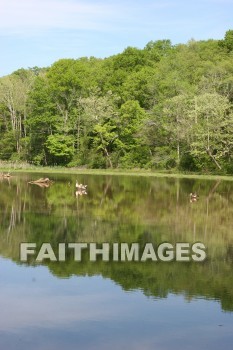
x: 162, y: 107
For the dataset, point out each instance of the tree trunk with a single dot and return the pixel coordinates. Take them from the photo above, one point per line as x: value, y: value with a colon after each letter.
x: 108, y: 157
x: 214, y: 160
x: 178, y: 153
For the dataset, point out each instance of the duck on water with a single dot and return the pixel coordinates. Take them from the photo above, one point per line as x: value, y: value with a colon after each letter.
x: 80, y: 189
x: 193, y: 197
x: 80, y: 186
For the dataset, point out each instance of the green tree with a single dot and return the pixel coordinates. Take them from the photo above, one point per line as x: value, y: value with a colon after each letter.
x: 99, y: 122
x: 134, y: 151
x: 13, y: 99
x: 177, y: 124
x: 60, y: 148
x: 42, y: 119
x: 228, y: 40
x: 212, y: 128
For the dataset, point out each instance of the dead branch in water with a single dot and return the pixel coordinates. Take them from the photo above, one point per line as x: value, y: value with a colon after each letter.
x: 42, y: 182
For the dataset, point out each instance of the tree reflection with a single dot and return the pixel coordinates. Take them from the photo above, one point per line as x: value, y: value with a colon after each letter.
x: 127, y: 209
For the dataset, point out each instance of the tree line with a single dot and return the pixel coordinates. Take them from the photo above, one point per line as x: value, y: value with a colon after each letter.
x: 161, y: 107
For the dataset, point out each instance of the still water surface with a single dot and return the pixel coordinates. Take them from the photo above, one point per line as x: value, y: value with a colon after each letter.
x: 132, y: 305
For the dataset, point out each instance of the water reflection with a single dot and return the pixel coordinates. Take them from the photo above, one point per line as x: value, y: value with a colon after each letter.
x: 130, y: 305
x: 39, y: 311
x: 127, y: 209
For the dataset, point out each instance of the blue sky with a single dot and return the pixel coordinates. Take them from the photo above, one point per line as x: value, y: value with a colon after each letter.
x: 39, y: 32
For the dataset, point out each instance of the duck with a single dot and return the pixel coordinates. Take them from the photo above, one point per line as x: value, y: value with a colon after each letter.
x: 80, y: 186
x: 193, y: 197
x: 5, y: 176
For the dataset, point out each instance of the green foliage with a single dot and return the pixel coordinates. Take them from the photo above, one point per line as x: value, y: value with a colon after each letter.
x: 212, y: 128
x: 60, y: 147
x: 7, y: 145
x: 156, y: 50
x: 131, y: 59
x: 187, y: 162
x: 163, y: 106
x: 228, y: 40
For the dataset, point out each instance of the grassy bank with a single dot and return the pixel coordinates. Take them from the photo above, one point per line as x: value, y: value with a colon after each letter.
x: 16, y: 168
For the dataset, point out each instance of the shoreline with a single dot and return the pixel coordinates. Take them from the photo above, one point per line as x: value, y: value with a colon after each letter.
x: 114, y: 172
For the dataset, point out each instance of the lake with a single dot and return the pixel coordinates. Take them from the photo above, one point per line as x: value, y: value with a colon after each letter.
x: 116, y: 305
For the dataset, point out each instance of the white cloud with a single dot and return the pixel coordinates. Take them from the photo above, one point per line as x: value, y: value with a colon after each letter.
x: 28, y: 17
x: 21, y: 16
